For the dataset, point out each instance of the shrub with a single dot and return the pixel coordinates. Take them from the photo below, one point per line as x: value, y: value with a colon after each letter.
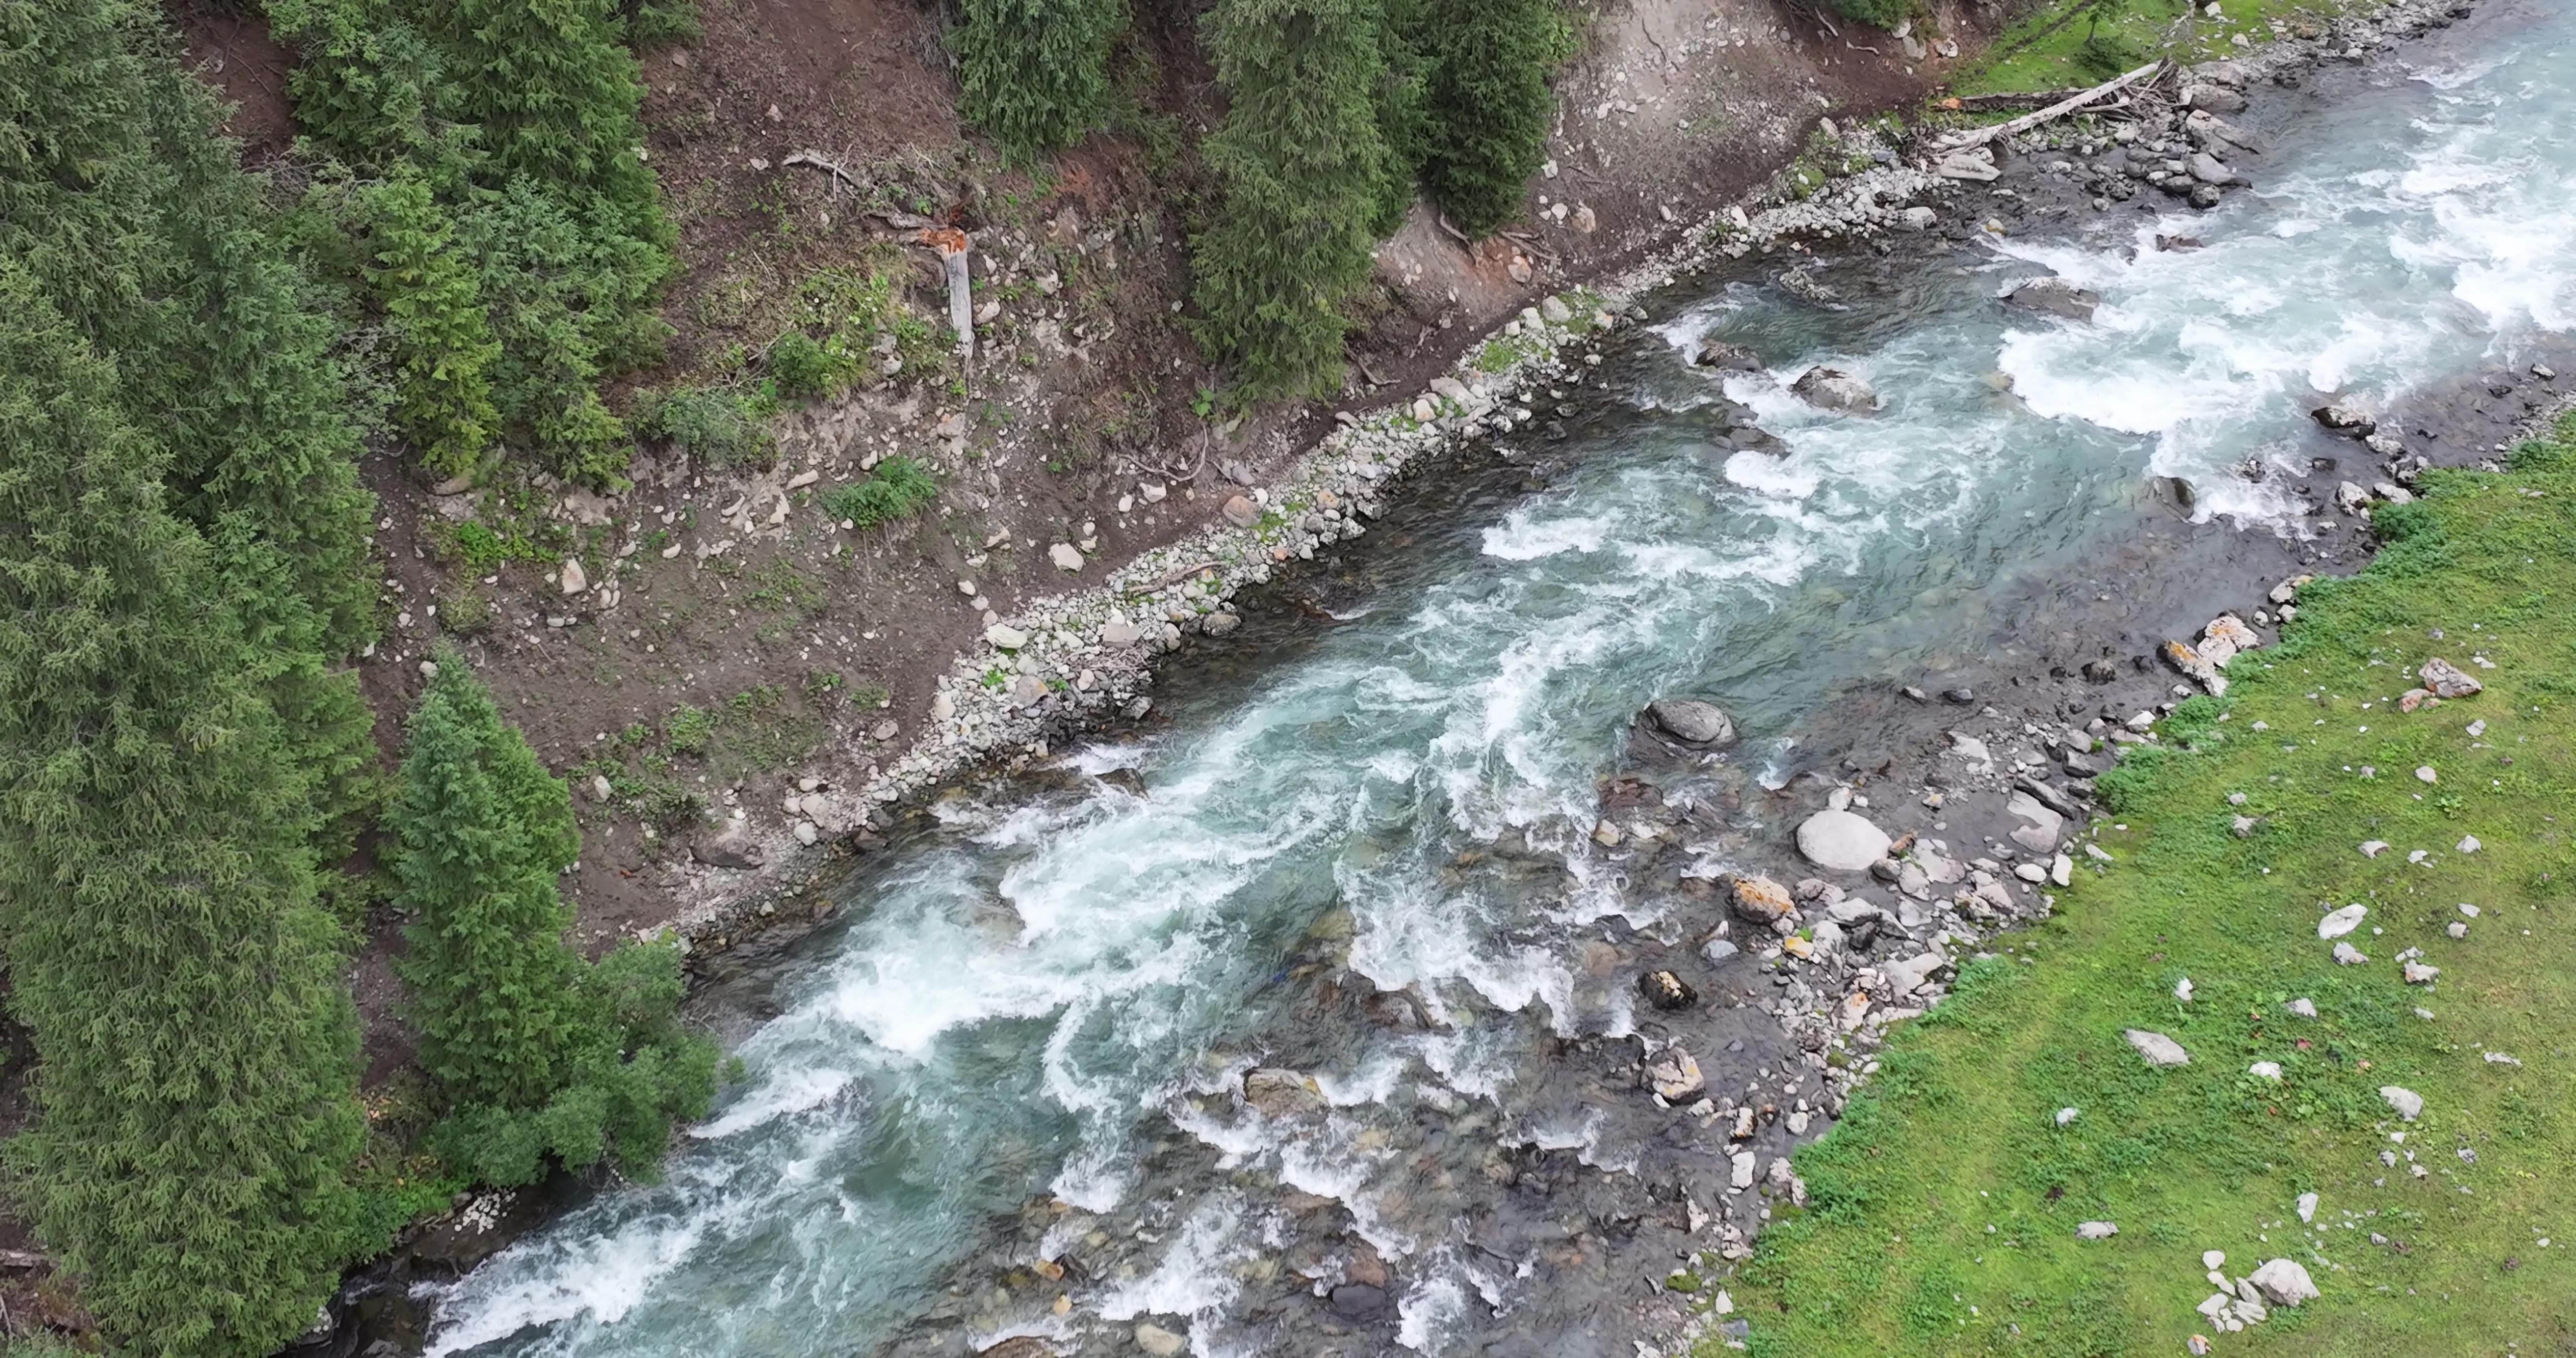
x: 719, y: 428
x: 803, y: 368
x: 544, y: 1056
x: 465, y: 612
x: 1875, y: 13
x: 1034, y: 74
x: 689, y: 729
x: 1487, y: 105
x: 897, y: 489
x: 1299, y: 164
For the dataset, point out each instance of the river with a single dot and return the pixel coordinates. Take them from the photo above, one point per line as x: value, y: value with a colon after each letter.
x: 1361, y: 847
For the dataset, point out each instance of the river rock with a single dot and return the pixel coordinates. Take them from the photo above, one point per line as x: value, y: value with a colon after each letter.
x: 1842, y: 841
x: 729, y: 847
x: 1357, y: 1301
x: 2209, y: 169
x: 1693, y: 721
x: 1720, y: 354
x: 574, y: 582
x: 2345, y: 418
x: 1280, y: 1092
x: 1674, y: 1074
x: 2041, y: 827
x: 1019, y: 1346
x: 1759, y: 899
x: 2055, y: 297
x: 1159, y: 1342
x: 2214, y: 97
x: 1241, y: 512
x: 2159, y: 1049
x: 2284, y: 1282
x: 1833, y: 389
x: 1907, y: 975
x: 1664, y: 990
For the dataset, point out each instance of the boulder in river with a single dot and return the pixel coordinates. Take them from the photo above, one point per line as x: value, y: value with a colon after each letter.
x: 1833, y: 389
x: 1693, y: 721
x: 1019, y: 1346
x: 1727, y: 357
x: 1664, y: 990
x: 2055, y: 297
x: 1280, y: 1092
x: 1842, y: 841
x: 2345, y: 418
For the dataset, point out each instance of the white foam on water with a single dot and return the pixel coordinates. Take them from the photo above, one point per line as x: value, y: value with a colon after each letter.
x: 1195, y: 1276
x: 795, y: 1089
x: 1430, y: 1311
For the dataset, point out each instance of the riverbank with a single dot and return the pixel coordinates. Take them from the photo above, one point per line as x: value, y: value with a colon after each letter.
x: 2337, y: 901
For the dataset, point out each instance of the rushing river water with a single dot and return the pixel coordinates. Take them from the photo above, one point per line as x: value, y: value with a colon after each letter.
x: 1023, y: 1041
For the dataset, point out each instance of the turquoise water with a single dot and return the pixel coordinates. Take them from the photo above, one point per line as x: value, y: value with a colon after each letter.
x: 1054, y: 996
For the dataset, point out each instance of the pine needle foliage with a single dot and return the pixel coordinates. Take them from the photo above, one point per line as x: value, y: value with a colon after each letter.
x: 442, y: 338
x: 1487, y: 104
x: 196, y: 1092
x: 543, y: 1054
x: 1299, y: 165
x: 1035, y: 73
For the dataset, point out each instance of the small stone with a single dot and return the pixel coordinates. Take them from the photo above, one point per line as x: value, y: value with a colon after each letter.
x: 1692, y: 720
x: 2445, y: 679
x: 2158, y: 1049
x: 1666, y: 991
x: 1220, y: 623
x: 2213, y: 1258
x: 2419, y: 973
x: 1759, y: 899
x: 2265, y: 1070
x: 2303, y: 1007
x: 2407, y: 1102
x: 1674, y: 1074
x: 1065, y: 556
x: 574, y: 582
x: 1841, y: 841
x: 2469, y: 844
x: 2346, y: 955
x: 2424, y: 774
x: 1006, y: 637
x: 2372, y: 848
x: 2307, y: 1207
x: 1740, y: 1168
x: 2066, y: 1115
x: 599, y: 788
x: 807, y: 833
x: 2095, y: 1230
x: 1242, y: 512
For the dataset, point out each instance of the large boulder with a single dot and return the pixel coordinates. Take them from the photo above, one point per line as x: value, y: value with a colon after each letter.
x: 1726, y: 356
x: 1759, y: 899
x: 2055, y: 297
x: 730, y: 846
x: 1692, y: 721
x: 1842, y: 841
x: 1833, y: 389
x: 2284, y: 1282
x: 2041, y: 828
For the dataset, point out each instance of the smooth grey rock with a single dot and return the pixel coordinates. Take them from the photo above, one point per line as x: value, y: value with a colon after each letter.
x: 2055, y: 297
x: 2159, y: 1049
x: 2095, y: 1230
x: 1834, y: 389
x: 1692, y: 720
x: 2284, y: 1282
x: 2041, y: 829
x: 1842, y: 841
x: 2337, y: 923
x: 2407, y: 1103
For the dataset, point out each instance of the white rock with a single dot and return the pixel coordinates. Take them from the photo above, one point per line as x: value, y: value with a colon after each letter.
x: 2407, y: 1102
x: 2340, y: 922
x: 2469, y: 844
x: 1842, y: 841
x: 2095, y: 1230
x: 2213, y: 1258
x: 2265, y: 1070
x: 1007, y: 637
x: 2042, y: 827
x: 1065, y: 556
x: 2303, y: 1007
x: 2307, y: 1207
x: 2372, y: 848
x: 2182, y: 989
x: 2159, y: 1049
x: 2424, y: 774
x: 2346, y: 955
x: 807, y: 832
x: 574, y: 582
x: 2283, y: 1282
x: 1741, y: 1165
x: 2066, y: 1115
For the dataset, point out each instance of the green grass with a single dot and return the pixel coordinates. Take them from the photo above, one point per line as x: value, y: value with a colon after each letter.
x: 2040, y: 53
x: 898, y: 489
x: 1954, y: 1134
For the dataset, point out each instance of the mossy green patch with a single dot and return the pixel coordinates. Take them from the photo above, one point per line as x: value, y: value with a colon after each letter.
x: 1944, y: 1204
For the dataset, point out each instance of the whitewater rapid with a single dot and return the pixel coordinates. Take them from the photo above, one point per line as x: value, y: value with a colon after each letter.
x: 1047, y: 1006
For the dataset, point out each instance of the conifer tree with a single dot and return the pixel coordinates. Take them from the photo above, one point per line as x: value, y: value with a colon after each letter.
x: 1035, y: 73
x: 1488, y: 104
x: 443, y: 340
x: 555, y: 96
x: 541, y: 1052
x: 196, y: 1086
x: 1299, y: 166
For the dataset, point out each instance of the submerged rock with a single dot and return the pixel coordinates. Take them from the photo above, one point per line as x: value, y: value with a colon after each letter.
x: 2055, y: 297
x: 1727, y: 357
x: 1280, y: 1092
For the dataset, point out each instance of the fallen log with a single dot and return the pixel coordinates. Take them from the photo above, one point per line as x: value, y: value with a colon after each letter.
x: 1979, y: 136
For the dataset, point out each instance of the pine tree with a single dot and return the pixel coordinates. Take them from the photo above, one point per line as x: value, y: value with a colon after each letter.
x: 1035, y: 73
x: 1488, y: 103
x: 443, y: 340
x: 554, y: 95
x: 542, y: 1053
x: 196, y: 1086
x: 1299, y: 165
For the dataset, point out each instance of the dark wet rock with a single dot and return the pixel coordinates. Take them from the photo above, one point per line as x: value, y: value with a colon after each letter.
x: 1833, y: 389
x: 2178, y: 242
x: 2345, y: 418
x: 1018, y: 1346
x: 1726, y: 357
x: 2055, y: 297
x: 729, y: 847
x: 1693, y: 721
x: 1666, y: 991
x: 1279, y: 1092
x: 1358, y: 1301
x: 1126, y: 780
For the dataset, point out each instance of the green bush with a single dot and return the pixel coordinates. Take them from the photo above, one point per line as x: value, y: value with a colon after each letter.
x: 654, y: 24
x: 803, y: 368
x: 718, y: 428
x: 689, y: 729
x: 1299, y: 166
x: 1875, y: 13
x: 1487, y: 105
x: 1034, y: 74
x: 897, y: 489
x: 545, y: 1056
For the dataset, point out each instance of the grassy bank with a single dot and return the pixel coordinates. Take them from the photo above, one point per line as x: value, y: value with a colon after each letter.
x: 2069, y: 43
x: 1943, y: 1208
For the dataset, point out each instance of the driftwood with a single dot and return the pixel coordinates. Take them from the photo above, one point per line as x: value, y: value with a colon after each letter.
x: 1960, y: 141
x: 816, y: 161
x: 1988, y: 103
